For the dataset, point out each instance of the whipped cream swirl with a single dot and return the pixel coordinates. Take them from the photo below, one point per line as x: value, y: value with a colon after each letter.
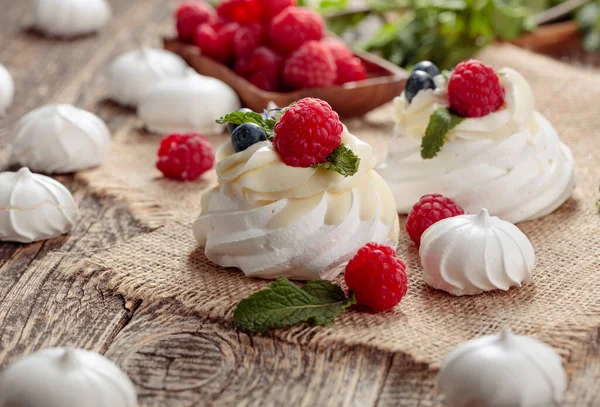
x: 511, y: 162
x: 270, y: 219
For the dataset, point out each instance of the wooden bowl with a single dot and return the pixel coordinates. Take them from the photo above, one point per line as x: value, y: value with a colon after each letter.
x: 551, y: 39
x: 385, y: 81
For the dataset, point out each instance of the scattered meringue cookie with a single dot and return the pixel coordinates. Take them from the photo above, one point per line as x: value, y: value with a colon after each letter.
x: 187, y: 104
x: 503, y: 370
x: 65, y: 377
x: 470, y: 254
x: 34, y: 207
x: 7, y: 90
x: 69, y: 18
x: 132, y: 74
x: 57, y: 139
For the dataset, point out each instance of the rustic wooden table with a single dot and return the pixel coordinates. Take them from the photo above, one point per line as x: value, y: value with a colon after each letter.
x: 173, y: 358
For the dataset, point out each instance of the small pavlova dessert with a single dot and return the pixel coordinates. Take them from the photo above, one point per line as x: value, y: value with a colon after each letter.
x: 474, y: 136
x: 297, y: 197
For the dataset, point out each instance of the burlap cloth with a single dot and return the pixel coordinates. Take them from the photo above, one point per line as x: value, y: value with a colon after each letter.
x: 560, y: 306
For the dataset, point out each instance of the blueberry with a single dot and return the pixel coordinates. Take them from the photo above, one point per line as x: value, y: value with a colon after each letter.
x: 245, y: 135
x: 427, y: 66
x: 232, y: 126
x: 416, y: 82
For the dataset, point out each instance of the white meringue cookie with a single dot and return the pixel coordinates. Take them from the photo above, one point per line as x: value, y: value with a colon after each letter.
x: 187, y: 104
x: 511, y: 162
x: 60, y: 139
x: 34, y: 207
x: 269, y: 219
x: 133, y: 74
x: 7, y: 90
x: 69, y: 18
x: 470, y: 254
x: 503, y: 370
x: 65, y: 377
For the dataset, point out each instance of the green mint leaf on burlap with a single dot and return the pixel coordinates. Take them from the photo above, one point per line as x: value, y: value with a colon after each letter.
x: 267, y: 124
x: 440, y: 123
x: 341, y: 160
x: 284, y: 303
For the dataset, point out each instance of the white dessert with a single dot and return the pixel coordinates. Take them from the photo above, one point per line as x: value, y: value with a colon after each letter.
x: 7, y: 90
x: 57, y: 139
x: 269, y: 219
x: 132, y: 74
x: 65, y: 377
x: 503, y: 370
x: 69, y: 18
x: 34, y: 207
x: 470, y: 254
x: 187, y: 104
x: 510, y: 161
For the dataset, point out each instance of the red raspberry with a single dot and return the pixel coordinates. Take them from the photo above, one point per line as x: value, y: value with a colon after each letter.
x: 185, y: 157
x: 294, y: 27
x: 429, y: 210
x: 191, y: 14
x: 312, y: 66
x: 307, y: 133
x: 262, y: 68
x: 339, y: 50
x: 271, y: 8
x: 216, y: 43
x: 248, y: 38
x: 377, y: 277
x: 240, y: 11
x: 474, y: 89
x: 350, y: 70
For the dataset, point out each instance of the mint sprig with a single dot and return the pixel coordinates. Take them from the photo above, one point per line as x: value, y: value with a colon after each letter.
x: 283, y: 304
x: 341, y: 160
x: 267, y: 124
x: 440, y: 123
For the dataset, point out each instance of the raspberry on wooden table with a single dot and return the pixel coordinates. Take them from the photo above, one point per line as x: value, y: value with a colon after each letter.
x: 312, y: 66
x: 240, y: 11
x: 377, y: 277
x: 339, y: 50
x: 185, y: 157
x: 294, y: 27
x: 262, y: 67
x: 429, y: 210
x: 191, y: 14
x: 307, y: 133
x: 247, y: 38
x: 271, y: 8
x: 474, y: 89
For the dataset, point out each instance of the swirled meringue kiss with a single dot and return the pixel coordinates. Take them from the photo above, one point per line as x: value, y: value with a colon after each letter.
x: 511, y: 161
x: 270, y: 219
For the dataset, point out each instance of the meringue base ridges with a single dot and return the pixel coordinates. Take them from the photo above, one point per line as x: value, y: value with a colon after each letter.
x: 326, y: 231
x: 523, y: 177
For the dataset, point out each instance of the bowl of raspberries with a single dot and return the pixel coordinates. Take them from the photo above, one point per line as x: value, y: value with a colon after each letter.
x: 274, y: 51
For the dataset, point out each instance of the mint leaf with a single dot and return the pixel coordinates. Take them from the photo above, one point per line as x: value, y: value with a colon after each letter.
x: 446, y: 74
x: 267, y: 124
x: 284, y: 303
x: 440, y: 123
x: 341, y: 160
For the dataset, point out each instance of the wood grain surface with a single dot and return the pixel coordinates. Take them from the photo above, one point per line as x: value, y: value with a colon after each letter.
x: 174, y: 358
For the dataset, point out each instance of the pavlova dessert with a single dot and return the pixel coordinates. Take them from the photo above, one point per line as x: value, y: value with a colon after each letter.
x: 473, y: 135
x: 297, y: 196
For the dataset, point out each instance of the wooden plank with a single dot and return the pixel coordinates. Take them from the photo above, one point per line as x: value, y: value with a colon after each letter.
x: 179, y: 359
x: 40, y: 308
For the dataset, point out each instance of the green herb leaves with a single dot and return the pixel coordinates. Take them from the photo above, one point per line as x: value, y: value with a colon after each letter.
x: 440, y: 123
x: 268, y: 125
x: 284, y: 303
x: 341, y: 160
